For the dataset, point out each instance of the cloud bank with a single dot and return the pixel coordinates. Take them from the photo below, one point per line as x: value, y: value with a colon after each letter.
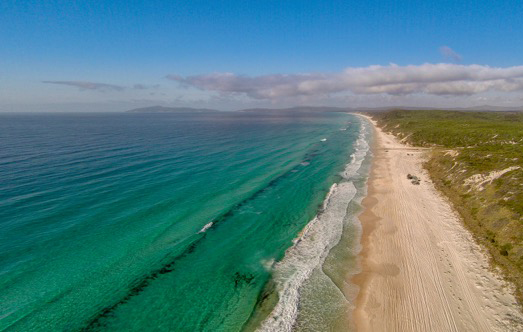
x: 430, y: 79
x: 145, y: 87
x: 84, y: 85
x: 88, y: 85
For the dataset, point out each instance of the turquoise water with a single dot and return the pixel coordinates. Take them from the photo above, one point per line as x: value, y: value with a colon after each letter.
x: 133, y: 222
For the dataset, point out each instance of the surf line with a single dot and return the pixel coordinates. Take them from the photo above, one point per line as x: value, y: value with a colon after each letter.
x: 140, y: 285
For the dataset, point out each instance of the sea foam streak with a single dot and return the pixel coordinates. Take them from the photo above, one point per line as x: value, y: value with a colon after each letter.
x: 314, y: 244
x: 206, y: 227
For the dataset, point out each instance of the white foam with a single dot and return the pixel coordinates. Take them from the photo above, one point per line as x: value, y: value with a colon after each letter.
x: 362, y: 148
x: 313, y: 245
x: 206, y: 227
x: 309, y: 252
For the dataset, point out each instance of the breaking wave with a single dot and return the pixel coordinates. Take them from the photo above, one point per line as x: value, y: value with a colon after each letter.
x: 314, y: 243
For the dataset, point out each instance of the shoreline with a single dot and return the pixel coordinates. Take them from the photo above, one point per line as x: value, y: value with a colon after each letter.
x: 421, y: 270
x: 368, y: 222
x: 291, y: 300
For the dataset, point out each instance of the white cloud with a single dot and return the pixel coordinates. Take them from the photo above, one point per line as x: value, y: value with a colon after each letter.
x: 449, y: 53
x: 139, y: 86
x: 430, y: 79
x: 83, y: 85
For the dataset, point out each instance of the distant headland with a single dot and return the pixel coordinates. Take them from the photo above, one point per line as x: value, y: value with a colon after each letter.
x: 163, y: 109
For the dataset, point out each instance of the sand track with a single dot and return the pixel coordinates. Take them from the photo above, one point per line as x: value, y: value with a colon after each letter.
x: 421, y: 269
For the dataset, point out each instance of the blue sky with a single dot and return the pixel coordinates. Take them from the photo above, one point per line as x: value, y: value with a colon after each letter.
x: 113, y: 55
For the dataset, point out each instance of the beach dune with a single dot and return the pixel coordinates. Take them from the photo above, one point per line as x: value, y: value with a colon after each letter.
x: 421, y: 269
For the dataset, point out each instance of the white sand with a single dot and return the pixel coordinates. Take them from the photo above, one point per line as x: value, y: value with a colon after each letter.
x: 422, y: 270
x: 478, y: 181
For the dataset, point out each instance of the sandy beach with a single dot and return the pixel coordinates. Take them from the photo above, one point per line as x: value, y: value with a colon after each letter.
x: 421, y: 269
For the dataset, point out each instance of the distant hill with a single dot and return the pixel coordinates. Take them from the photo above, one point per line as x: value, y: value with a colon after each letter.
x: 300, y: 108
x: 163, y: 109
x: 381, y: 109
x: 494, y: 108
x: 473, y: 108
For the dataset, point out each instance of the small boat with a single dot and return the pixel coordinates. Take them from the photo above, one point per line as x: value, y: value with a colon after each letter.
x: 323, y: 139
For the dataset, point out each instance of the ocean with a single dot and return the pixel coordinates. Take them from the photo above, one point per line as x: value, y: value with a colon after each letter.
x: 219, y: 221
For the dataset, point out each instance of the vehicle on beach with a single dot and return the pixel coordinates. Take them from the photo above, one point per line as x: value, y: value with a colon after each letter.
x: 415, y: 179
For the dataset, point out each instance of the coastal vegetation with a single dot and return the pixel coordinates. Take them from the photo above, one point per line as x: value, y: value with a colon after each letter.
x: 476, y: 160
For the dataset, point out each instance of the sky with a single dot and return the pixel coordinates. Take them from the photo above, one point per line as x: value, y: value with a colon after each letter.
x: 67, y: 55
